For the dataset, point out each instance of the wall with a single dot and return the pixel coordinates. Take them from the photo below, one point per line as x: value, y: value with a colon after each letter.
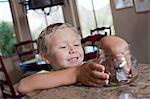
x: 134, y: 27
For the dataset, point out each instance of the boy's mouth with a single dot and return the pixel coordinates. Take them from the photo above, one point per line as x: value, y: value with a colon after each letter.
x: 73, y: 60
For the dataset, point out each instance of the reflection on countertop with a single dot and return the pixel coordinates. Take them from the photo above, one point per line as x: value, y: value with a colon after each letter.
x: 138, y: 89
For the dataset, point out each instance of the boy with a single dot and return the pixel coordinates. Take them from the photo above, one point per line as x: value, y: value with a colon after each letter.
x: 60, y: 46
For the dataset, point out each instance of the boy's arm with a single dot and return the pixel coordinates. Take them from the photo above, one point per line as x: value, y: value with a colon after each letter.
x: 47, y: 80
x: 90, y: 73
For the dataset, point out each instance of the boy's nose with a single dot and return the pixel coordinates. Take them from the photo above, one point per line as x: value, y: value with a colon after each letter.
x: 72, y: 50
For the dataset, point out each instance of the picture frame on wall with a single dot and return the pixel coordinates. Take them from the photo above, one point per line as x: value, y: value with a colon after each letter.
x: 120, y: 4
x: 142, y: 5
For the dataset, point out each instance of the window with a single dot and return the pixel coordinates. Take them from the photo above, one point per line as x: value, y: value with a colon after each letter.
x: 7, y: 38
x: 90, y: 20
x: 39, y: 19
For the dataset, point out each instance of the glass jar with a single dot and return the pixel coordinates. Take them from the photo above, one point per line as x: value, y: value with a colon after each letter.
x: 117, y: 64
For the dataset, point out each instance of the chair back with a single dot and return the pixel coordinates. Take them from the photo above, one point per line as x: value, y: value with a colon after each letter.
x: 26, y: 50
x: 101, y: 30
x: 89, y: 42
x: 6, y: 82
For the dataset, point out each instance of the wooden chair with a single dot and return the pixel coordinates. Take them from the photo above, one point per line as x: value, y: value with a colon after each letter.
x: 7, y: 83
x: 90, y: 41
x: 102, y: 30
x: 26, y: 50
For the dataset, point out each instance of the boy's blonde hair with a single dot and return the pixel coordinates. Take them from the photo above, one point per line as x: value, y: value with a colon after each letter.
x: 48, y: 31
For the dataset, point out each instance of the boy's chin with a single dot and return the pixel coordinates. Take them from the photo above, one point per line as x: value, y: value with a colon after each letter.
x: 67, y: 66
x: 73, y: 65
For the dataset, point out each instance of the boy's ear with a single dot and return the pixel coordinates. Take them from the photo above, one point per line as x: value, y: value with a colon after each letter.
x: 44, y: 57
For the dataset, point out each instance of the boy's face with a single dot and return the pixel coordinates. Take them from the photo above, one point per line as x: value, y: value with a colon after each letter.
x: 65, y: 49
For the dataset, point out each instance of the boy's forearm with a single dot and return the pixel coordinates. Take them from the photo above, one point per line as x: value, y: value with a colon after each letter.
x: 47, y: 80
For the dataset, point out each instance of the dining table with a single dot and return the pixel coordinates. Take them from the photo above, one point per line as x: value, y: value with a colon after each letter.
x: 137, y: 89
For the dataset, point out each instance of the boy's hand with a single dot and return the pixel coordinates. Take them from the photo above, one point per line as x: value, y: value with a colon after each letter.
x: 92, y: 74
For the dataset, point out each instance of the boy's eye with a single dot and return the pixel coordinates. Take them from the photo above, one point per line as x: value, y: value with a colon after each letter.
x: 76, y: 45
x: 62, y: 47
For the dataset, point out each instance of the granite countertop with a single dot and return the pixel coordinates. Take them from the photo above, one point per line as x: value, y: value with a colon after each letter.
x: 138, y: 89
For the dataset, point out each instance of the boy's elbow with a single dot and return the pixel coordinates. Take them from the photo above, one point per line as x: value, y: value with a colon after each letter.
x: 21, y: 88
